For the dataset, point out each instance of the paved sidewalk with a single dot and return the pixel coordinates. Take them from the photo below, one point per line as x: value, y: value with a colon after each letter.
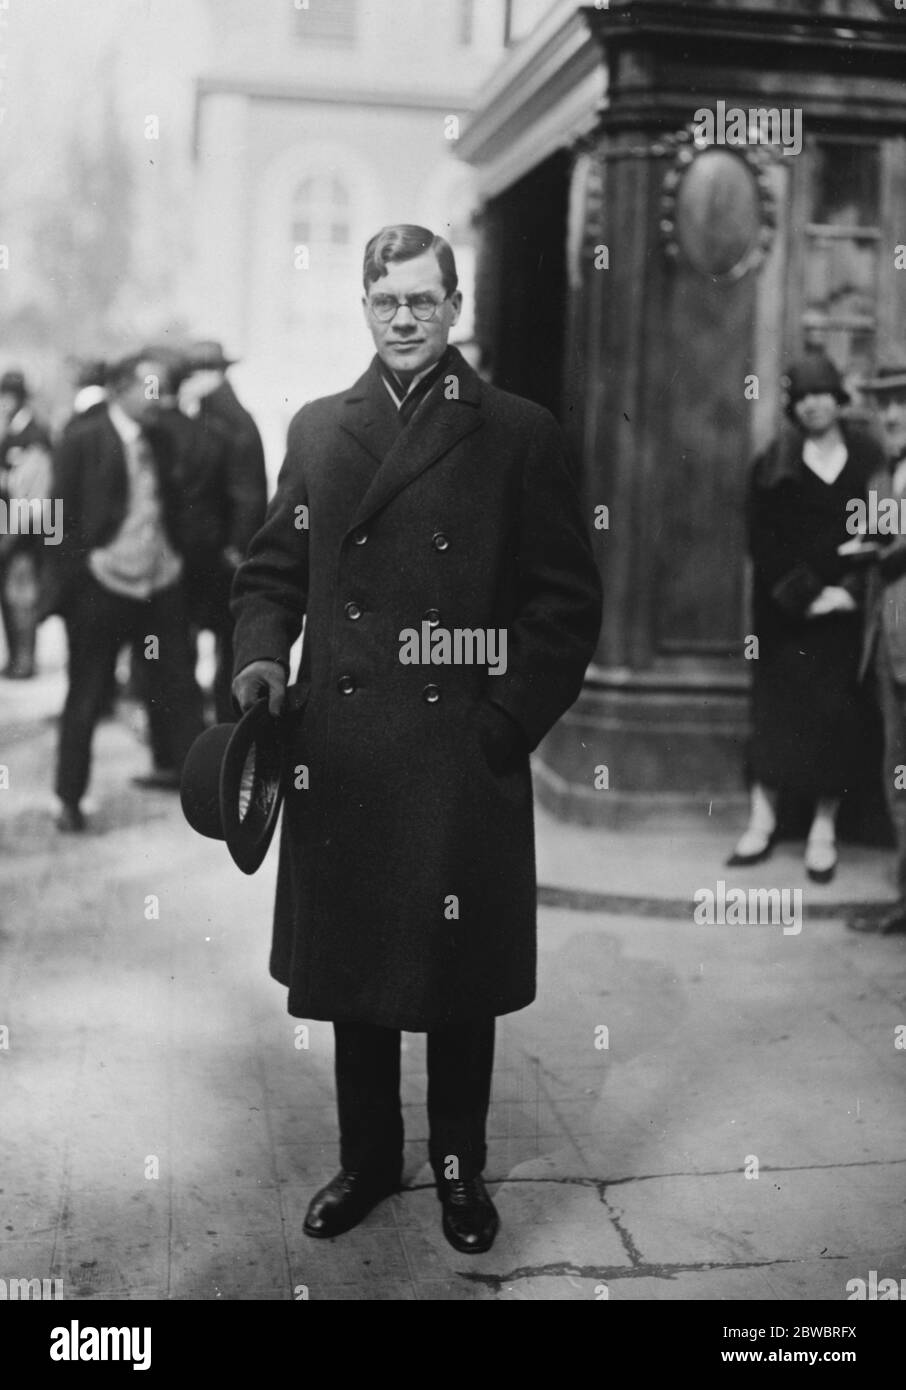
x: 162, y: 1131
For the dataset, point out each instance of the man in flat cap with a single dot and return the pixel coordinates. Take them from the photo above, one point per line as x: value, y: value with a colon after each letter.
x: 426, y: 529
x: 225, y: 500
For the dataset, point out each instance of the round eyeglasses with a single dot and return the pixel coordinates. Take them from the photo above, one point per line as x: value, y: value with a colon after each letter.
x: 423, y: 307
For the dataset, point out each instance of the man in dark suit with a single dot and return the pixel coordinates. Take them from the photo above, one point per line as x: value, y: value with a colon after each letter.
x: 90, y: 382
x: 207, y: 394
x: 422, y: 518
x: 220, y: 470
x: 116, y: 577
x: 884, y: 644
x: 24, y: 476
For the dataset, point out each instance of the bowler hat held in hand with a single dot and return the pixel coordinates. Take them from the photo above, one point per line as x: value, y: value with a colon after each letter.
x: 232, y: 784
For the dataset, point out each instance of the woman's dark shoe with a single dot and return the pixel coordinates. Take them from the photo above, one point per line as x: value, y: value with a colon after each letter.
x: 70, y: 819
x: 821, y: 858
x: 345, y: 1201
x: 470, y: 1220
x: 751, y: 848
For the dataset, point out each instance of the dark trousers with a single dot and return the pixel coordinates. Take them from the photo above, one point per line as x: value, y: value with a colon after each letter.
x: 208, y: 602
x: 19, y: 566
x: 892, y: 699
x: 98, y: 624
x: 460, y: 1061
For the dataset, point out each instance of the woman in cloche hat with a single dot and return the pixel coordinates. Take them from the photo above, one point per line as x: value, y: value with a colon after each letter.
x: 805, y: 738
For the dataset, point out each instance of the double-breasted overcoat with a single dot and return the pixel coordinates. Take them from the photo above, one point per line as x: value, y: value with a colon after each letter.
x: 406, y: 892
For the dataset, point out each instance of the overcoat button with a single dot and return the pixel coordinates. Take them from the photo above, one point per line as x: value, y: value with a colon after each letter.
x: 353, y: 612
x: 440, y: 541
x: 431, y: 694
x: 346, y: 685
x: 432, y: 616
x: 359, y: 536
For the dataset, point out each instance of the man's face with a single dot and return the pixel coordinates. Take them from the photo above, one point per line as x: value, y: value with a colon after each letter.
x: 133, y: 396
x: 892, y: 415
x: 408, y: 345
x: 817, y: 412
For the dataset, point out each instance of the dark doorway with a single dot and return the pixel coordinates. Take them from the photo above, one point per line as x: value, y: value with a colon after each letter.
x: 521, y: 291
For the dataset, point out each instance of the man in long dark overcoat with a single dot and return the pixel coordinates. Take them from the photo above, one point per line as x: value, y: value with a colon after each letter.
x: 418, y: 506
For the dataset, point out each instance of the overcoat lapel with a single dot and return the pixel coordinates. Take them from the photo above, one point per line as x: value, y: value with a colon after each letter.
x: 369, y: 415
x: 438, y: 424
x: 112, y: 476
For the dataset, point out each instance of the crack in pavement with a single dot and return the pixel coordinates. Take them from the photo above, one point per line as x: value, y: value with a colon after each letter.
x: 614, y: 1272
x: 601, y: 1184
x: 626, y: 1240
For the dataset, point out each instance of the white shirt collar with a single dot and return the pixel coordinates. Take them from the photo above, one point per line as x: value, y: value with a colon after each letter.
x: 86, y: 397
x: 127, y: 428
x: 826, y: 465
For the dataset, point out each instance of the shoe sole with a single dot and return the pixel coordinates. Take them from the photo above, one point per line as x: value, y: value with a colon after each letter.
x: 740, y: 861
x: 745, y: 861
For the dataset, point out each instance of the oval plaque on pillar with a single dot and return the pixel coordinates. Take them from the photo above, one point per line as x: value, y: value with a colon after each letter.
x: 718, y: 211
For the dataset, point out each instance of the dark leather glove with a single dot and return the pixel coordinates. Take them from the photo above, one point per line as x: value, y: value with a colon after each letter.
x: 499, y: 736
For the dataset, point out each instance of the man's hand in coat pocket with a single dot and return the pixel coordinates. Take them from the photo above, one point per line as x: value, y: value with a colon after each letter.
x: 499, y: 736
x: 257, y: 679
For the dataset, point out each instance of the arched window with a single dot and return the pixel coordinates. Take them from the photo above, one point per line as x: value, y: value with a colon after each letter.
x: 320, y: 214
x: 306, y: 310
x: 321, y: 233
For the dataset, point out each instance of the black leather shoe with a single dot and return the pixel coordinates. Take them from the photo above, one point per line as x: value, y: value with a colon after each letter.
x: 344, y: 1202
x: 70, y: 819
x: 470, y: 1219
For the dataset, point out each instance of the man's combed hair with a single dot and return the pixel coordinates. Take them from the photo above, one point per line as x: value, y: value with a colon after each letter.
x: 404, y: 242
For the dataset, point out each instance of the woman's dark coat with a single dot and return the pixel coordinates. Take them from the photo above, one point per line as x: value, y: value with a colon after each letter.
x: 807, y: 728
x: 406, y: 888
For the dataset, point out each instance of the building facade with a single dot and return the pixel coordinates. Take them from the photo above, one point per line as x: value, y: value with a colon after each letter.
x: 317, y: 122
x: 647, y: 278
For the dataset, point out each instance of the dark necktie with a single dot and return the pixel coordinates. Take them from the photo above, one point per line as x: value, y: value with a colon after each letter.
x: 413, y: 400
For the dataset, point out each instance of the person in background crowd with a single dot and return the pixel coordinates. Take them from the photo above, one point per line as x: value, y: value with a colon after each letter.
x: 24, y: 477
x: 805, y: 711
x: 90, y: 378
x: 117, y: 576
x: 884, y: 645
x: 220, y: 469
x: 207, y: 393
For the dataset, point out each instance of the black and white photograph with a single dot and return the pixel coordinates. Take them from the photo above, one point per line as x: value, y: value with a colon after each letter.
x: 453, y: 665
